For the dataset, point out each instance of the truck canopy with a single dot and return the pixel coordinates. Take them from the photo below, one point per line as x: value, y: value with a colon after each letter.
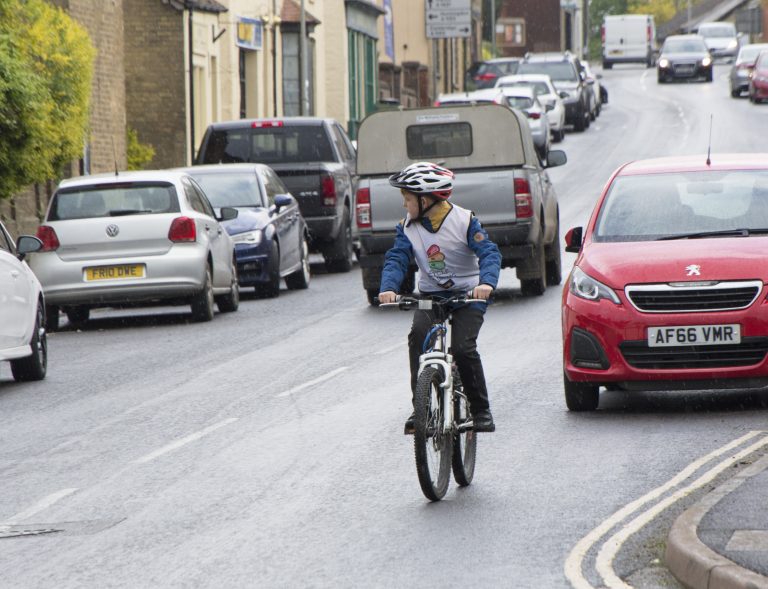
x: 388, y: 141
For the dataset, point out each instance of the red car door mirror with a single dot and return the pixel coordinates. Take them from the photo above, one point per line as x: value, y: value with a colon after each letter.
x: 573, y: 240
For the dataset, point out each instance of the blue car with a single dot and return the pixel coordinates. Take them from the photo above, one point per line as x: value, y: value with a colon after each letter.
x: 270, y: 234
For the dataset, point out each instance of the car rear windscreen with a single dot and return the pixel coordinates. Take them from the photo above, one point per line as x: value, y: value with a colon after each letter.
x: 269, y: 145
x: 231, y: 190
x: 520, y: 102
x: 559, y: 71
x: 438, y: 140
x: 113, y: 200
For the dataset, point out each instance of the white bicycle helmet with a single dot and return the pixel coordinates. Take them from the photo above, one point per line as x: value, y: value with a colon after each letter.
x: 425, y: 178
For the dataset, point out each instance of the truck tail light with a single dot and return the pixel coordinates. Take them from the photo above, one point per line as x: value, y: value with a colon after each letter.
x: 182, y: 229
x: 49, y: 238
x: 363, y: 207
x: 265, y: 124
x: 523, y: 199
x: 328, y: 190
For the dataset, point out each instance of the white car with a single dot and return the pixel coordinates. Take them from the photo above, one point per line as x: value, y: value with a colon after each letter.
x: 483, y: 96
x: 149, y: 237
x: 547, y: 94
x: 22, y: 310
x: 524, y: 99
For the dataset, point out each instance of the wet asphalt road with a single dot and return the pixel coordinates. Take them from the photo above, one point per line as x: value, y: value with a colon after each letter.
x: 265, y: 448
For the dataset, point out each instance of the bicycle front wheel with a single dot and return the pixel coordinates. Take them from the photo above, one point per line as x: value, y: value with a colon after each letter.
x: 464, y: 445
x: 432, y: 445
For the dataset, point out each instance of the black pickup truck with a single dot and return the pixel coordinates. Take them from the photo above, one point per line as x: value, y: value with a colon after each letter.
x: 315, y: 160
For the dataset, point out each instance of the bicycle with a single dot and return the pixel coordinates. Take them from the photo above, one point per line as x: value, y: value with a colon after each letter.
x: 443, y: 437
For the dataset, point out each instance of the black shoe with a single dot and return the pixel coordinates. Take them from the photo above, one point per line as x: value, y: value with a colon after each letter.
x: 483, y: 422
x: 410, y: 426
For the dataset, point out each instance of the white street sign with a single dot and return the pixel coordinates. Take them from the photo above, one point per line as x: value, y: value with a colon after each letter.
x: 448, y: 18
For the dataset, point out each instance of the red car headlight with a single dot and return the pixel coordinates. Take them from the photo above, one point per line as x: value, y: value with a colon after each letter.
x: 584, y: 286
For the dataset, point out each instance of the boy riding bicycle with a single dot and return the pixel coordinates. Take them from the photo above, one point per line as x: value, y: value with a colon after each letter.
x: 453, y: 254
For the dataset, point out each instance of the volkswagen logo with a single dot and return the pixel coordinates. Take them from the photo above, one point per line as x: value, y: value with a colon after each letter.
x: 693, y: 270
x: 113, y: 230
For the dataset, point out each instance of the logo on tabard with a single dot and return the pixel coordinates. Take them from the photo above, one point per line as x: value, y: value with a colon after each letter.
x: 693, y: 270
x: 113, y: 230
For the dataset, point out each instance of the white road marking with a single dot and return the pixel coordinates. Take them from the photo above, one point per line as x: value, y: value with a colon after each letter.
x: 748, y: 540
x: 317, y: 380
x: 41, y: 505
x: 576, y: 557
x: 184, y: 441
x: 389, y: 349
x: 609, y: 550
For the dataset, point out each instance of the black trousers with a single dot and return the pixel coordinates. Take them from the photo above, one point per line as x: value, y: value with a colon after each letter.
x: 466, y: 326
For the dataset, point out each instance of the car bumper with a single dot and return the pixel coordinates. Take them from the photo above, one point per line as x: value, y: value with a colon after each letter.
x: 683, y: 71
x: 179, y: 273
x: 252, y: 264
x: 606, y: 344
x: 759, y: 89
x: 573, y: 110
x: 324, y: 228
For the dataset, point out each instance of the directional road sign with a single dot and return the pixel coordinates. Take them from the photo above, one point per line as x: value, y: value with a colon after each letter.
x: 448, y: 18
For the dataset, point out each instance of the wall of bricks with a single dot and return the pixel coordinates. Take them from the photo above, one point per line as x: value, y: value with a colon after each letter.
x: 156, y: 79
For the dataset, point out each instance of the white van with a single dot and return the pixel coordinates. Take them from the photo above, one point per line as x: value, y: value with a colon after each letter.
x: 628, y: 38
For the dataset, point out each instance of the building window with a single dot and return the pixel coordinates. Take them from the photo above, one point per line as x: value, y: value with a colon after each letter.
x: 292, y: 74
x: 242, y: 83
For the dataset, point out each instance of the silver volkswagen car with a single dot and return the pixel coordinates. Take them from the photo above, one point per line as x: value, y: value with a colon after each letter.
x: 135, y: 238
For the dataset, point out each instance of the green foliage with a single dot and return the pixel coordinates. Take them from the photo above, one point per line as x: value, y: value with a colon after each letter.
x: 47, y: 69
x: 662, y: 10
x: 139, y: 154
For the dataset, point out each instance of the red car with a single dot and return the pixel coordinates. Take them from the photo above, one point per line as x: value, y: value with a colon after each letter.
x: 668, y: 291
x: 758, y: 79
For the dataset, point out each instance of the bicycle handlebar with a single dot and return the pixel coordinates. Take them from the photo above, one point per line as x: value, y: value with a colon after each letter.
x: 426, y: 303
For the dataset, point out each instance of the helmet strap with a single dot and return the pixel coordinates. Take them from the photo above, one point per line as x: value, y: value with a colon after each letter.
x: 423, y: 210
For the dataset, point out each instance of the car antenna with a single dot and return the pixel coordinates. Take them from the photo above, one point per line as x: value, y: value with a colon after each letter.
x: 114, y: 154
x: 709, y: 145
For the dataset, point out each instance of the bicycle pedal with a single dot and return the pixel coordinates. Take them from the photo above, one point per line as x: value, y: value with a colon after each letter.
x: 409, y: 431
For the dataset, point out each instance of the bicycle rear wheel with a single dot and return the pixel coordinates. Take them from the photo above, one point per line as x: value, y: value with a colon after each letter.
x: 464, y: 445
x: 432, y: 446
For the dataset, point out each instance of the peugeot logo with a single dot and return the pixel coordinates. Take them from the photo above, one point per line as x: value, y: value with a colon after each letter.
x: 113, y: 230
x: 693, y: 270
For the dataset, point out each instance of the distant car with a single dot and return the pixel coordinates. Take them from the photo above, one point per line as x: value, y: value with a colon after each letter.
x: 548, y: 96
x: 758, y: 79
x: 524, y: 98
x: 23, y: 340
x: 742, y: 67
x: 721, y: 38
x: 487, y: 95
x: 599, y: 93
x: 485, y: 73
x: 567, y: 76
x: 684, y: 57
x: 665, y: 293
x: 270, y: 235
x: 148, y: 237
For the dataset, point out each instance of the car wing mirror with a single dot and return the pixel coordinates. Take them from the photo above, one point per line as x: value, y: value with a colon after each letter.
x: 573, y: 240
x: 563, y: 94
x: 556, y: 157
x: 26, y: 245
x: 227, y: 214
x: 283, y: 200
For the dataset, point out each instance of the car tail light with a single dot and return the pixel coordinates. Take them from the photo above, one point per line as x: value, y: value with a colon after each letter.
x: 264, y: 124
x: 182, y: 229
x: 485, y: 77
x: 328, y: 190
x: 436, y: 103
x: 49, y: 238
x: 533, y: 115
x: 363, y: 207
x: 523, y: 199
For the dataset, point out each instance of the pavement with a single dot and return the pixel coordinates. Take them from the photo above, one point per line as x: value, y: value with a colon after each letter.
x: 721, y: 542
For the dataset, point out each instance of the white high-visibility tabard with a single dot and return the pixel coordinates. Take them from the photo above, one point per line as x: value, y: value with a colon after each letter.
x: 445, y: 261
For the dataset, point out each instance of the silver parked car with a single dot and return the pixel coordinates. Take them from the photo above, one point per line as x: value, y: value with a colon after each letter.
x: 22, y: 310
x: 148, y: 237
x: 548, y: 95
x: 742, y: 67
